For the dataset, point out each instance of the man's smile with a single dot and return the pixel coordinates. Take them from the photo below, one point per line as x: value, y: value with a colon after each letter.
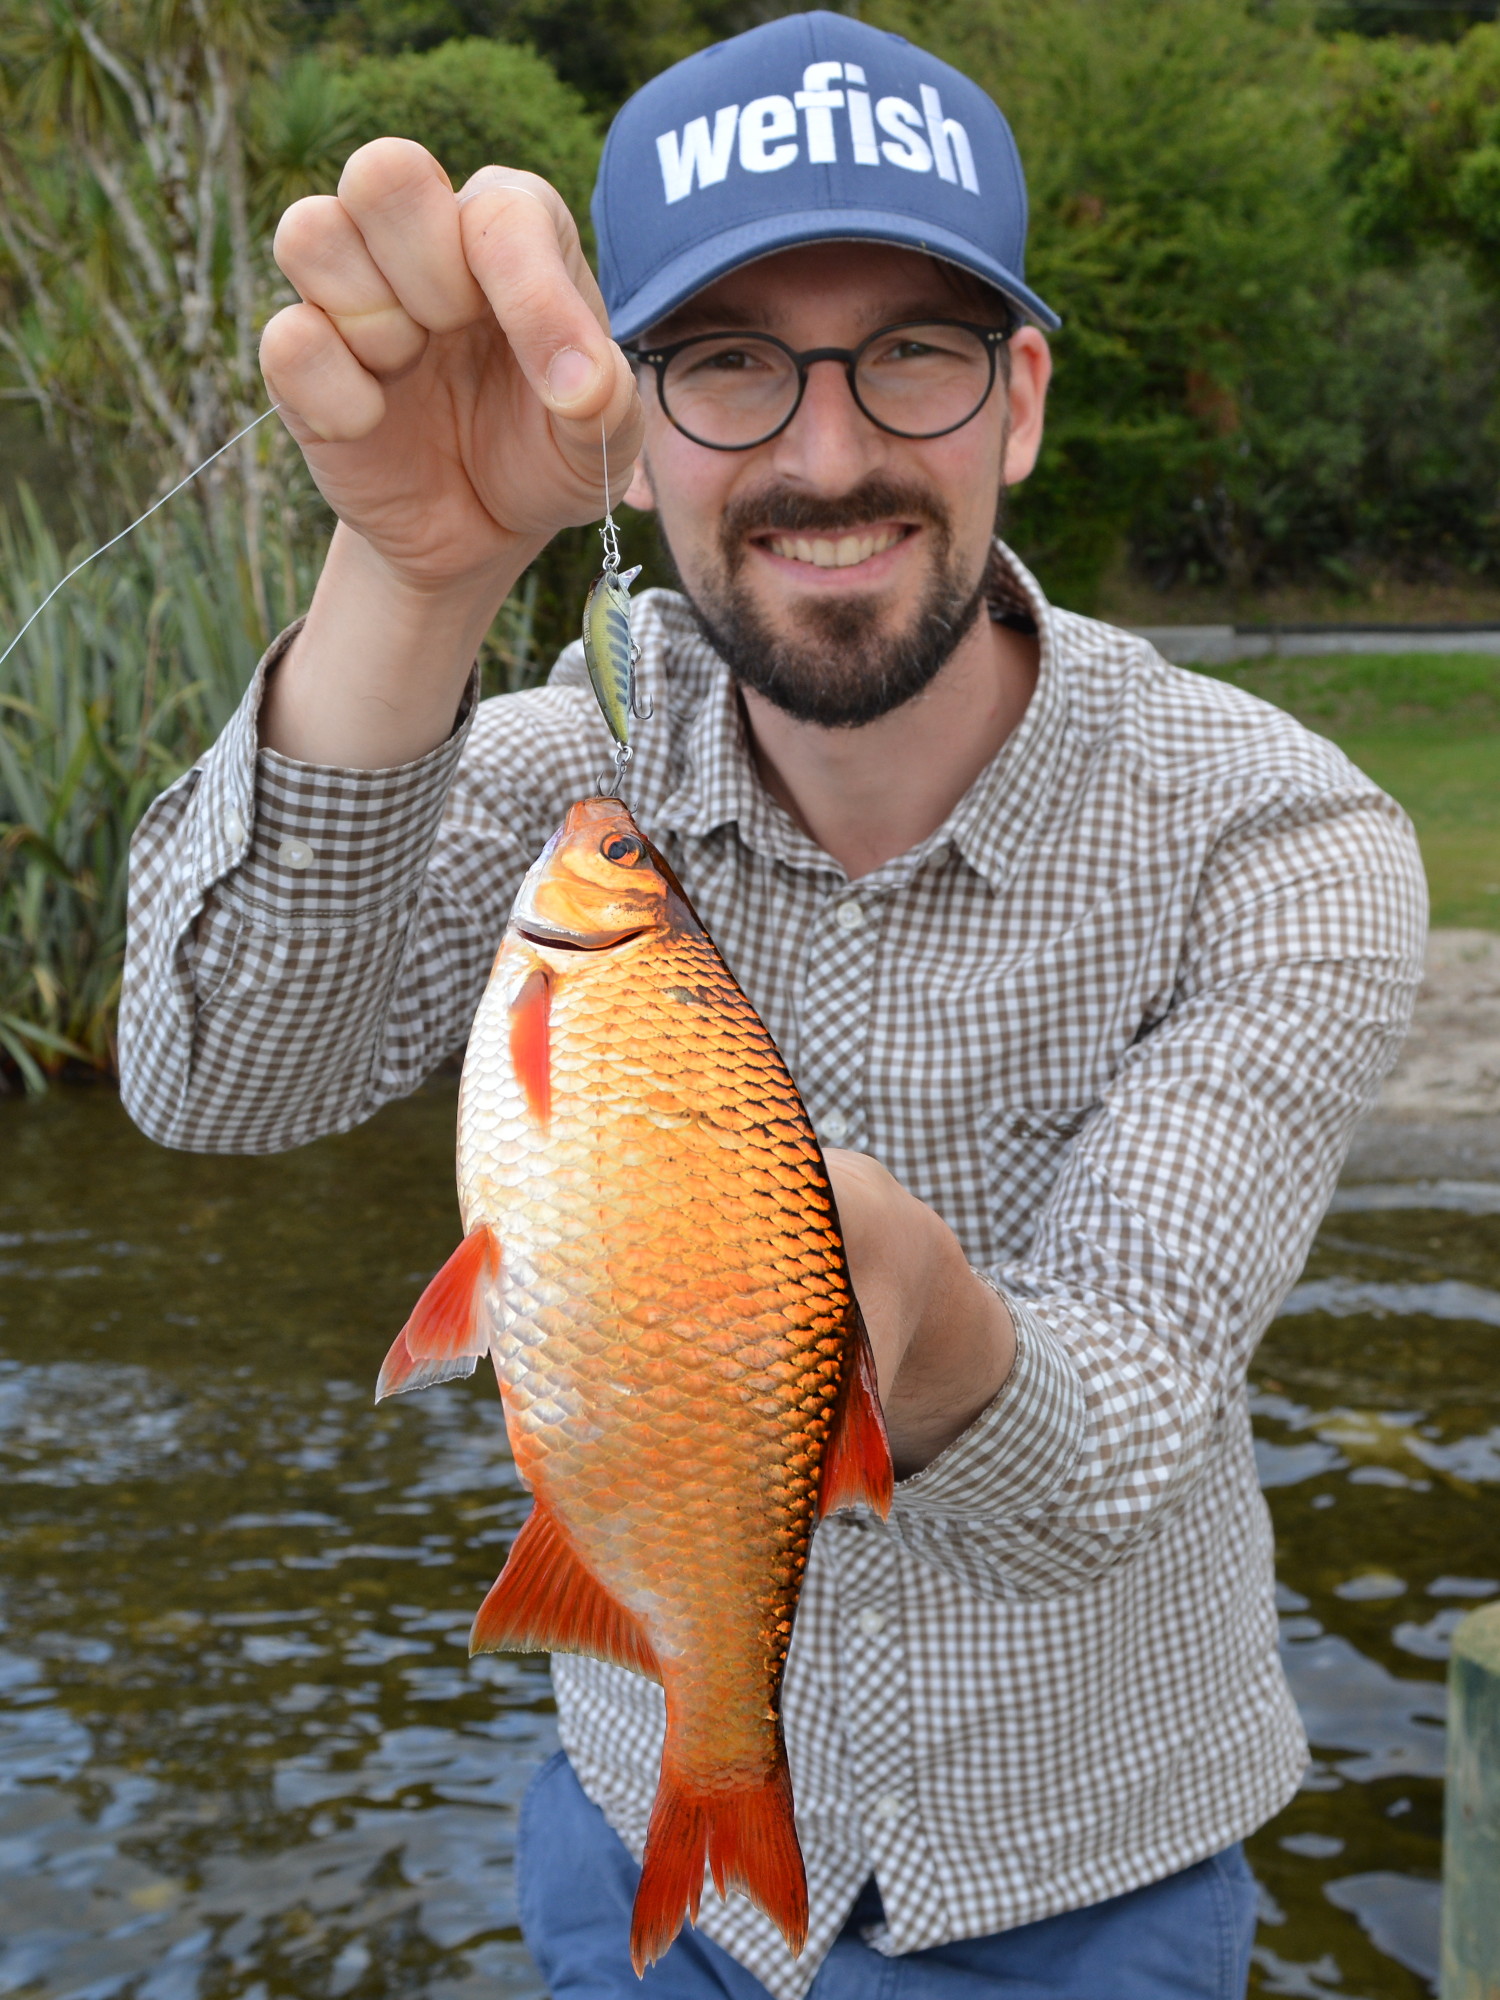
x: 839, y: 551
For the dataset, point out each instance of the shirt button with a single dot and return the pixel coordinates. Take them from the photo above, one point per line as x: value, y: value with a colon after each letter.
x: 234, y: 827
x: 849, y: 915
x: 871, y: 1622
x: 889, y: 1806
x: 938, y: 857
x: 835, y: 1128
x: 295, y: 854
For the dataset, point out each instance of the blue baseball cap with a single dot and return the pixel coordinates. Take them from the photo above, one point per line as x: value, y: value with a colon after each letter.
x: 810, y: 128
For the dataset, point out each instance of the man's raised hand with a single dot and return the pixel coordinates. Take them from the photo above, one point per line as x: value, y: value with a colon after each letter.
x: 448, y: 369
x: 447, y: 376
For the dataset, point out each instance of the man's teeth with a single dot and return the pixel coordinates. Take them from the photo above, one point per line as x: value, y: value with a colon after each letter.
x: 824, y: 553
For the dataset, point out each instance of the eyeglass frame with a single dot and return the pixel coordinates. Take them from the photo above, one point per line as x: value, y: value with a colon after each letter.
x: 659, y: 359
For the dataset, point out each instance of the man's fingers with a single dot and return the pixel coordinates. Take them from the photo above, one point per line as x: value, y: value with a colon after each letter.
x: 323, y: 254
x: 325, y: 396
x: 515, y: 242
x: 403, y: 205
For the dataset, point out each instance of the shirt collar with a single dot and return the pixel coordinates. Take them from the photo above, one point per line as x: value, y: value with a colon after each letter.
x: 991, y: 824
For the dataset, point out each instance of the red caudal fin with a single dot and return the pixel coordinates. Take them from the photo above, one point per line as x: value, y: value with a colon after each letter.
x: 545, y: 1601
x: 749, y: 1841
x: 857, y: 1457
x: 531, y: 1042
x: 446, y: 1333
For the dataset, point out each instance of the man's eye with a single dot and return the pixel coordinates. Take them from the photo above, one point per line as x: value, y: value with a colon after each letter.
x: 727, y: 361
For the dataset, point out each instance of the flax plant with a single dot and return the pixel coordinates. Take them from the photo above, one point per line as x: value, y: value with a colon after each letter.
x: 125, y: 678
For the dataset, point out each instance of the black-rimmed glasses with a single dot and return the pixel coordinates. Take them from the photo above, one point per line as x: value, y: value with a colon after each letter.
x: 917, y: 379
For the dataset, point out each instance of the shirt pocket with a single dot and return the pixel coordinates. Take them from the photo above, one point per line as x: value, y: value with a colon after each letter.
x: 1025, y: 1147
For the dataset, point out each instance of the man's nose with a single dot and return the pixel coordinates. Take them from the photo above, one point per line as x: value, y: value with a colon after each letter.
x: 830, y: 445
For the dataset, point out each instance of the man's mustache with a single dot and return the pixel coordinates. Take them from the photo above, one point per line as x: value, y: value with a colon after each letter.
x: 784, y: 510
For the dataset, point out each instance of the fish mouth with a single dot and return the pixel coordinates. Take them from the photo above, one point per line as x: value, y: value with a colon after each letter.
x: 578, y: 940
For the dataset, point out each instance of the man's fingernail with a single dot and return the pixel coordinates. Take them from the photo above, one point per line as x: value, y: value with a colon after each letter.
x: 570, y: 374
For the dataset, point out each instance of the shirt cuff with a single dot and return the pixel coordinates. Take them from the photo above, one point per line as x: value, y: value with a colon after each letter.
x: 1018, y: 1451
x: 311, y: 845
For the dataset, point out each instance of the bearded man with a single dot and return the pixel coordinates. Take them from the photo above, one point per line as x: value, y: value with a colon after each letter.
x: 1089, y: 963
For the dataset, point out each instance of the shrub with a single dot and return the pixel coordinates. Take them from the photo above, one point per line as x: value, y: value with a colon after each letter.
x: 475, y: 102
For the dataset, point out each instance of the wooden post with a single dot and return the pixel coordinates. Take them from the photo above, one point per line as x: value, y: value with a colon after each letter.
x: 1471, y: 1843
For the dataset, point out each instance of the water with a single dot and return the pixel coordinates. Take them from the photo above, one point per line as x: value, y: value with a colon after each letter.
x: 243, y: 1754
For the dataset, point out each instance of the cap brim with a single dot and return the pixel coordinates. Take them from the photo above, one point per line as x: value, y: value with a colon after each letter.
x: 702, y: 263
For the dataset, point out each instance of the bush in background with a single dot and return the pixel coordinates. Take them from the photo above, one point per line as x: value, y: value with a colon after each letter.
x: 472, y: 102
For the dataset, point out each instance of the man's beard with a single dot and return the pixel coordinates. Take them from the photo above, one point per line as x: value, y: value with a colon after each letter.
x: 841, y: 670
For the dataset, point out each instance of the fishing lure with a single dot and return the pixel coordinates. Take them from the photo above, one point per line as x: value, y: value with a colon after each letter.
x: 608, y: 648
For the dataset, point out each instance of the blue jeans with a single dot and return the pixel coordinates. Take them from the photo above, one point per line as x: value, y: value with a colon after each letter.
x: 1187, y: 1938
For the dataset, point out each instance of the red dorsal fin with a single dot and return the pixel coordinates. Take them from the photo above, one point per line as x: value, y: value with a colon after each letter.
x: 446, y: 1333
x: 531, y: 1042
x: 857, y: 1458
x: 545, y: 1601
x: 749, y: 1840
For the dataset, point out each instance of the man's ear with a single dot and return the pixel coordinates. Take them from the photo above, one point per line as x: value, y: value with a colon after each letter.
x: 1030, y: 372
x: 640, y: 493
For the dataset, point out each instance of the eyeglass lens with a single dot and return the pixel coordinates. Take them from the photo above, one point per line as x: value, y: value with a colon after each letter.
x: 736, y: 389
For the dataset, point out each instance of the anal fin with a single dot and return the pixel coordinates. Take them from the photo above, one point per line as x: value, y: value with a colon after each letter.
x: 446, y: 1333
x: 545, y: 1601
x: 857, y: 1466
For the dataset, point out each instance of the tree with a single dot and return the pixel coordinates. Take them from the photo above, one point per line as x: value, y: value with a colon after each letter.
x: 1418, y: 132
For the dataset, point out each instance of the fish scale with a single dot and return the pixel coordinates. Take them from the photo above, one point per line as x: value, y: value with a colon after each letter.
x: 653, y: 1261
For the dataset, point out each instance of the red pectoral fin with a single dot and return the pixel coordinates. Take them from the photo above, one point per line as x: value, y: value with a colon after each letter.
x: 446, y: 1333
x: 545, y: 1601
x: 857, y: 1458
x: 531, y: 1042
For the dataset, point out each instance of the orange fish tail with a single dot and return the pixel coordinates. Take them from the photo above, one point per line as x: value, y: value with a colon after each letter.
x: 748, y: 1840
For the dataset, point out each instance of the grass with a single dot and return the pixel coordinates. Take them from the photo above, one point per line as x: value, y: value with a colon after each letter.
x: 1426, y: 727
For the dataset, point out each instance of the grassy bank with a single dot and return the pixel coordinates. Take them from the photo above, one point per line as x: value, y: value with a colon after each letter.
x: 1426, y: 726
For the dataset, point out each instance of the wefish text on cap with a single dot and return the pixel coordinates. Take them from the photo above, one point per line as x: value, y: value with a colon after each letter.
x: 918, y: 142
x: 811, y: 128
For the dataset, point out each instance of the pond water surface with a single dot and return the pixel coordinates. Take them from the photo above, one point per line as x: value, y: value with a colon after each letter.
x: 243, y: 1753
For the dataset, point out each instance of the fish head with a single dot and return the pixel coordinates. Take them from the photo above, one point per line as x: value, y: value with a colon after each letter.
x: 599, y: 884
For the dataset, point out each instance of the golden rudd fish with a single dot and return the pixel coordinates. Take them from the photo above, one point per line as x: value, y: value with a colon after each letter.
x: 652, y: 1259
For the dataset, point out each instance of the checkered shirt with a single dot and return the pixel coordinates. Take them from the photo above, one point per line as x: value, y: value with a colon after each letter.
x: 1114, y: 1019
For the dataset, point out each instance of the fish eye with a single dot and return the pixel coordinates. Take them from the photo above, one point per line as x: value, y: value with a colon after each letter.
x: 623, y: 849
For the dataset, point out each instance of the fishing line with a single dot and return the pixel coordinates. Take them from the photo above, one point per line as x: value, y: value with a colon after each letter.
x: 104, y: 550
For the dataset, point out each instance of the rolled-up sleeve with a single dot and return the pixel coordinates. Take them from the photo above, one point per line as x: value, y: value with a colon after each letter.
x: 1185, y: 1207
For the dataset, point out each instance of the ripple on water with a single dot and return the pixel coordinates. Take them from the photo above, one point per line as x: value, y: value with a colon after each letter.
x: 242, y: 1749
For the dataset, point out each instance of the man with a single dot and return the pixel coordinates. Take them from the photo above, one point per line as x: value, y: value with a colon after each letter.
x: 1100, y: 959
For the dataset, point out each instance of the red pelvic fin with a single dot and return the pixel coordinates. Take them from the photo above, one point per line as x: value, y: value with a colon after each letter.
x: 446, y: 1333
x: 748, y: 1839
x: 857, y: 1459
x: 531, y: 1042
x: 545, y: 1601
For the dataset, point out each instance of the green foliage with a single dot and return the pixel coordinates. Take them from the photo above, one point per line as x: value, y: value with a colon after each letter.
x: 603, y: 49
x: 124, y: 679
x: 1418, y: 129
x: 1185, y: 226
x: 473, y: 102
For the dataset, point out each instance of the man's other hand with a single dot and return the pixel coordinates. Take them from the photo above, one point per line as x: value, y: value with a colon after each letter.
x: 944, y: 1342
